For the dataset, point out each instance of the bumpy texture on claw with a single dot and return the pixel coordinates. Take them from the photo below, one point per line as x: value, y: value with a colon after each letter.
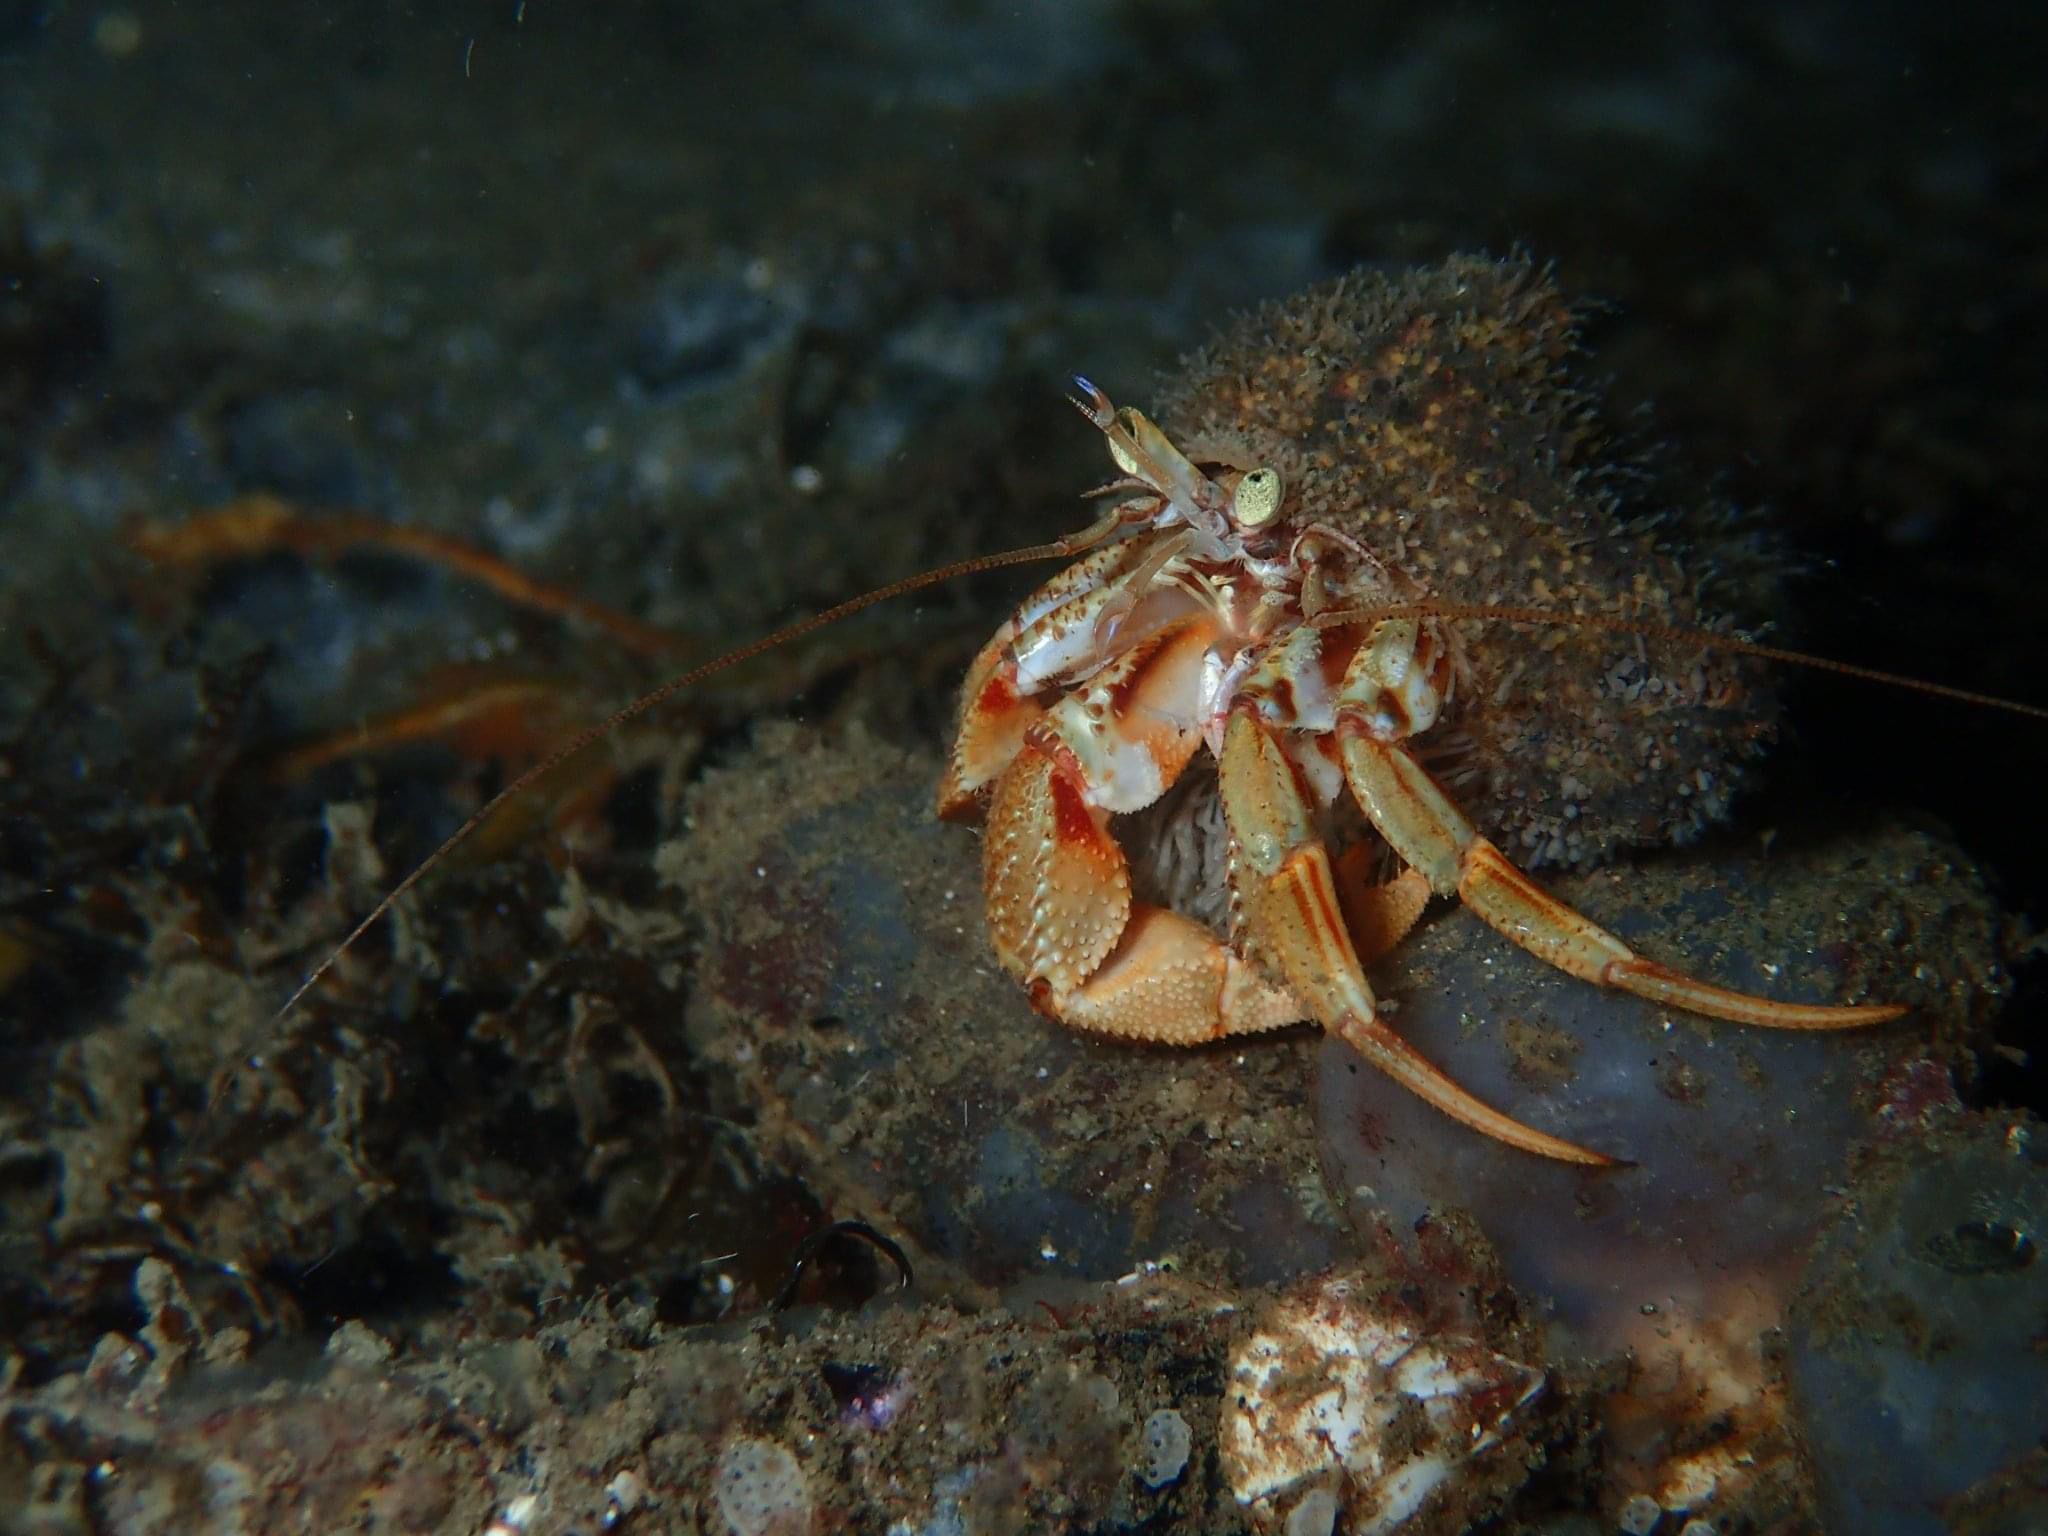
x: 1059, y: 895
x: 1060, y: 911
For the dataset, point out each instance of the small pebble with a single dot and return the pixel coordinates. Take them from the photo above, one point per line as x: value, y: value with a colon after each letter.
x: 354, y: 1344
x: 117, y: 34
x: 1639, y: 1516
x: 1167, y: 1440
x: 623, y: 1494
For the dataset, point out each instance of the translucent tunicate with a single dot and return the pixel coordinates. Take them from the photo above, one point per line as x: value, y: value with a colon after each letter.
x: 761, y: 1490
x: 1936, y: 1250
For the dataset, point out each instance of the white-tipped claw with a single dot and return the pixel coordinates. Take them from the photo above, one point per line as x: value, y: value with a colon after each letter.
x: 1093, y: 403
x: 1145, y: 454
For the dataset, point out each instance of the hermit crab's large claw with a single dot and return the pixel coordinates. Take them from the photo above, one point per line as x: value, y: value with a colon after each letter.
x: 1060, y: 907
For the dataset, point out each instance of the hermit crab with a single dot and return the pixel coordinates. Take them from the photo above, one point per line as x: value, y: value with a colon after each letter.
x: 1285, y: 581
x: 1374, y: 600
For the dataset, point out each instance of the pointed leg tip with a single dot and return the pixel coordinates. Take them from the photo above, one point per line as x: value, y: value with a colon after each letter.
x: 957, y: 805
x: 1396, y: 1057
x: 1674, y: 989
x: 1558, y: 1150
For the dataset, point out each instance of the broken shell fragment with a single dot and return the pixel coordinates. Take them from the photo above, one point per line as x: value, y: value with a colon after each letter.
x: 1333, y: 1380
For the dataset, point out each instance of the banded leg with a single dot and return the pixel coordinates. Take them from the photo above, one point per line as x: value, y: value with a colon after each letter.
x: 1290, y: 899
x: 1377, y: 915
x: 1429, y: 833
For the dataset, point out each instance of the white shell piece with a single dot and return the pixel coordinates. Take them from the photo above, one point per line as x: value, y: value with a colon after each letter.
x: 1315, y: 1515
x: 1331, y: 1381
x: 1703, y: 1478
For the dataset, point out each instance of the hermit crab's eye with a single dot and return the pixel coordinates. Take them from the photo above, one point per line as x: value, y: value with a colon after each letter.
x: 1257, y: 501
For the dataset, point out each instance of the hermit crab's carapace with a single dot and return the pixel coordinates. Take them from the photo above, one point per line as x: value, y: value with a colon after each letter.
x: 1379, y: 443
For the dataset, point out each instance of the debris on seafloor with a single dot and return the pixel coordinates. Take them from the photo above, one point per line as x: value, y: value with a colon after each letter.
x: 1657, y: 1293
x: 611, y: 1421
x: 842, y: 1029
x: 1412, y: 1288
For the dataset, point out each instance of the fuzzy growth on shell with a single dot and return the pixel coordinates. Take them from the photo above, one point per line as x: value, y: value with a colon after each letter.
x: 1440, y: 417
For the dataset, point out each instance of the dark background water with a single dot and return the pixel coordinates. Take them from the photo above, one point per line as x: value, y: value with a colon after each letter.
x: 585, y: 285
x: 719, y: 314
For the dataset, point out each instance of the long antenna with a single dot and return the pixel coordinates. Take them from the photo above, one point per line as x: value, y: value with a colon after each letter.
x: 583, y: 739
x: 1501, y: 612
x: 1554, y: 617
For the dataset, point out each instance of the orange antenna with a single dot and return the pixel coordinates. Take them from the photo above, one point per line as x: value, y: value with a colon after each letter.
x: 584, y: 739
x: 1508, y: 613
x: 1074, y: 543
x: 259, y: 523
